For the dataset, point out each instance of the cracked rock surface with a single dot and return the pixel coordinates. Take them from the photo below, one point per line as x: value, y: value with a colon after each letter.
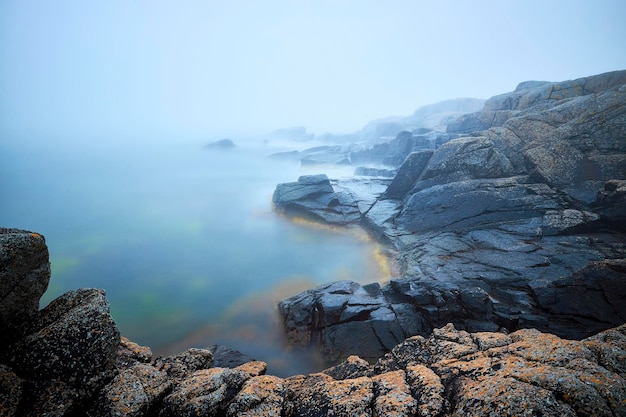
x: 518, y: 223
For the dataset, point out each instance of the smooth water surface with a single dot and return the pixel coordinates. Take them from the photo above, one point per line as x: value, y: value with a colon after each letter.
x: 183, y: 239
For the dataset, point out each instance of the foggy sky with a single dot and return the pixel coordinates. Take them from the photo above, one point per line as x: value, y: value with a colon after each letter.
x: 229, y: 67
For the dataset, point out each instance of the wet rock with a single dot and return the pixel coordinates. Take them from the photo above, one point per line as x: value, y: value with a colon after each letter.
x: 594, y: 295
x: 344, y: 318
x: 24, y: 276
x: 511, y: 227
x: 610, y: 203
x: 313, y: 197
x: 474, y: 204
x: 404, y: 144
x: 225, y: 357
x: 408, y: 173
x: 467, y: 158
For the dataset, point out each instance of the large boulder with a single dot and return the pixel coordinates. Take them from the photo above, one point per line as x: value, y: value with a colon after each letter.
x: 408, y: 173
x: 24, y: 276
x: 70, y: 354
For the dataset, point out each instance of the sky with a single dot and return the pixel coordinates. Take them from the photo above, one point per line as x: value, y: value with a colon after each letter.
x: 218, y: 68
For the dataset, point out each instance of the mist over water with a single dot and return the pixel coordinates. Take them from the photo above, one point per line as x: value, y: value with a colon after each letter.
x: 183, y: 239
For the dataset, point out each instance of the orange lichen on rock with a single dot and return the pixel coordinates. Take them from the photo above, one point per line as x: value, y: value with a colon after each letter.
x: 320, y: 394
x: 427, y: 388
x: 393, y: 395
x: 262, y: 395
x: 254, y: 368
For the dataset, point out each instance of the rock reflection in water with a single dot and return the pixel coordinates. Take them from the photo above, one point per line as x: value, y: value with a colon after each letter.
x: 252, y: 325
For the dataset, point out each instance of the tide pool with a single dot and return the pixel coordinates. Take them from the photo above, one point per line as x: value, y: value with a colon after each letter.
x: 183, y: 239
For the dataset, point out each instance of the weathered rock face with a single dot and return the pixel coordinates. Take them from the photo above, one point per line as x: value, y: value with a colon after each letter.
x: 408, y: 173
x: 503, y: 228
x: 450, y: 373
x: 24, y: 278
x: 313, y: 197
x: 69, y: 355
x: 533, y: 96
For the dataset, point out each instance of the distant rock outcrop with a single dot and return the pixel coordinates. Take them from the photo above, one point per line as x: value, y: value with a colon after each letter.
x: 385, y: 141
x: 69, y: 360
x: 517, y: 226
x: 221, y: 144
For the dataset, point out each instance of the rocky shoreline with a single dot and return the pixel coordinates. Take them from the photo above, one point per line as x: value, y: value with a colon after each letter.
x: 507, y: 227
x: 70, y: 360
x: 516, y: 221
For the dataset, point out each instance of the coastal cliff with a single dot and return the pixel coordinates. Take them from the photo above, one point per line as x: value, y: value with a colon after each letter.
x: 516, y: 223
x: 70, y: 360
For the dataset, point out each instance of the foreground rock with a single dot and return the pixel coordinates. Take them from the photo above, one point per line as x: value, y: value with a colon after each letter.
x: 72, y: 362
x: 517, y: 226
x: 449, y: 373
x: 23, y: 280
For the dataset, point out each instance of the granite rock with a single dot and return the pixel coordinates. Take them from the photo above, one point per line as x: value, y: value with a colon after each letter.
x: 76, y: 342
x: 24, y: 276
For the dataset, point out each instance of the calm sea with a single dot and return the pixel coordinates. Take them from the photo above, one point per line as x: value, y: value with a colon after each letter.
x: 183, y: 239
